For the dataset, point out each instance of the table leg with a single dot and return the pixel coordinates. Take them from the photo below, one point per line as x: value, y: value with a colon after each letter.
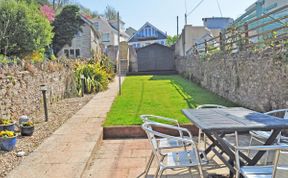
x: 209, y: 149
x: 269, y: 141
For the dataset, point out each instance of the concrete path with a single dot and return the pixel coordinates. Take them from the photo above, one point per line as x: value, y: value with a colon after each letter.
x: 67, y: 151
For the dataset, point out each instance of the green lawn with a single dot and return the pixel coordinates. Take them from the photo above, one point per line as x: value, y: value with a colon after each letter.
x: 158, y: 95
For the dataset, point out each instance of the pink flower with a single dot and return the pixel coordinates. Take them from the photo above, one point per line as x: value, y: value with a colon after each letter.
x: 48, y: 12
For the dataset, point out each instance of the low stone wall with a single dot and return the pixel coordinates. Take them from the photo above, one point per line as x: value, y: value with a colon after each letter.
x: 20, y: 87
x: 256, y: 80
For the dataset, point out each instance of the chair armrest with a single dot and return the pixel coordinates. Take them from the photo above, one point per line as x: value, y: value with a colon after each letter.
x: 180, y: 129
x: 275, y: 111
x: 210, y: 106
x: 284, y: 168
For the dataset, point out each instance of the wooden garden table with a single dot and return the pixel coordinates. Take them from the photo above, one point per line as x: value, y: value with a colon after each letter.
x: 216, y: 123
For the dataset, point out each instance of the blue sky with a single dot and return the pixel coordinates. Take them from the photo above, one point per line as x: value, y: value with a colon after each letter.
x: 162, y: 13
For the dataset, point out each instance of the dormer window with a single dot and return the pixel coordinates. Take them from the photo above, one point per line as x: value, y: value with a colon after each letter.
x: 97, y: 26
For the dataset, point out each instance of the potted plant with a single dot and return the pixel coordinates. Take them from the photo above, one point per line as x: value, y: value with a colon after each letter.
x: 27, y: 128
x: 7, y: 124
x: 7, y: 140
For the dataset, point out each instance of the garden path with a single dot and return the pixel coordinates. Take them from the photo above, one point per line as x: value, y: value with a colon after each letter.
x: 67, y: 151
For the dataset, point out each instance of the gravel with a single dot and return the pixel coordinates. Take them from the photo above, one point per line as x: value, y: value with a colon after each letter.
x: 58, y: 114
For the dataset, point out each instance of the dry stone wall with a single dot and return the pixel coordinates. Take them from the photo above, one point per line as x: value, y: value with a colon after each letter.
x: 20, y: 87
x: 256, y: 80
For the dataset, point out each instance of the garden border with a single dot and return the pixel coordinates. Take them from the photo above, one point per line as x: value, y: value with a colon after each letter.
x: 135, y: 131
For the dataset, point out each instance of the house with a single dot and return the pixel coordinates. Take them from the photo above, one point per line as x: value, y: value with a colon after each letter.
x: 146, y: 35
x: 217, y: 22
x: 190, y: 36
x: 84, y: 44
x: 260, y: 8
x: 108, y: 31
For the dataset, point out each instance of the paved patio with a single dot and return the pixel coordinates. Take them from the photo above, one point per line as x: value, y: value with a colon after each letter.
x: 128, y: 158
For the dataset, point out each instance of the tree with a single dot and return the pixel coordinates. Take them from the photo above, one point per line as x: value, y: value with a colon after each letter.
x: 59, y: 3
x: 110, y: 13
x: 66, y: 25
x: 48, y: 12
x: 171, y: 40
x: 23, y: 29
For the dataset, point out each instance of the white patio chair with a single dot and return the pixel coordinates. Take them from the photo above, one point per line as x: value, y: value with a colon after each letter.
x: 163, y: 143
x: 203, y: 106
x: 187, y: 158
x: 262, y: 136
x: 257, y: 171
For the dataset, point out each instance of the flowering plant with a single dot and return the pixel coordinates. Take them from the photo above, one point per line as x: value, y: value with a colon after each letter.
x: 7, y: 134
x: 5, y: 121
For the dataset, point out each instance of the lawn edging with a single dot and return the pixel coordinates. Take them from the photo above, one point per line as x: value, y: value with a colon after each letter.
x: 135, y: 131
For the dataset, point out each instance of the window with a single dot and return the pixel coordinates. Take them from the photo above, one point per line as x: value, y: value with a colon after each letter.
x: 77, y: 51
x: 71, y: 52
x: 146, y: 32
x: 78, y: 34
x: 66, y: 52
x: 97, y: 26
x: 106, y: 37
x: 149, y: 32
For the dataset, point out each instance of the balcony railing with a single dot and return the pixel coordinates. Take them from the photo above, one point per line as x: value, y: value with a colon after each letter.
x: 271, y: 29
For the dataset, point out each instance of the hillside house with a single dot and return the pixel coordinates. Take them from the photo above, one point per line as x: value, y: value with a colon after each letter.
x: 146, y: 35
x: 84, y: 44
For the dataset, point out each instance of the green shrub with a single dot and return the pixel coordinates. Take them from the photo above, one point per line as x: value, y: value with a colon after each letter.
x: 24, y: 29
x: 95, y: 77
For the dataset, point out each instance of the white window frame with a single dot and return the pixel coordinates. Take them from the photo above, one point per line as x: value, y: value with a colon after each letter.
x: 97, y: 26
x: 106, y: 37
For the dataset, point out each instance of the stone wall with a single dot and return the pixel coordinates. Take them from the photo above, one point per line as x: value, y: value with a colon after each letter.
x: 20, y: 87
x: 256, y: 80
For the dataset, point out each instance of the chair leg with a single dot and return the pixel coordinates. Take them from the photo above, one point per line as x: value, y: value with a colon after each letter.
x: 158, y: 168
x: 200, y: 171
x: 250, y: 143
x: 160, y: 173
x: 199, y: 136
x: 189, y: 169
x: 204, y: 139
x: 267, y: 157
x: 149, y: 164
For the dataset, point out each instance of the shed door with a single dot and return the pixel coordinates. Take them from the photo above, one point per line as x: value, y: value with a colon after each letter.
x: 155, y: 58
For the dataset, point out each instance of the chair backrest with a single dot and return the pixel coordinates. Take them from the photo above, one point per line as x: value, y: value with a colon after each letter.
x: 153, y: 136
x: 284, y: 113
x: 210, y: 106
x: 158, y: 119
x: 279, y: 150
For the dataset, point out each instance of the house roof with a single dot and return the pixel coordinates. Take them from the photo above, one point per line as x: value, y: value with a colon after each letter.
x: 147, y: 23
x: 88, y: 22
x: 154, y: 44
x: 130, y: 31
x: 115, y: 30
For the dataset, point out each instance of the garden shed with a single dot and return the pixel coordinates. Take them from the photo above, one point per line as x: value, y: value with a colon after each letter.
x: 155, y: 57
